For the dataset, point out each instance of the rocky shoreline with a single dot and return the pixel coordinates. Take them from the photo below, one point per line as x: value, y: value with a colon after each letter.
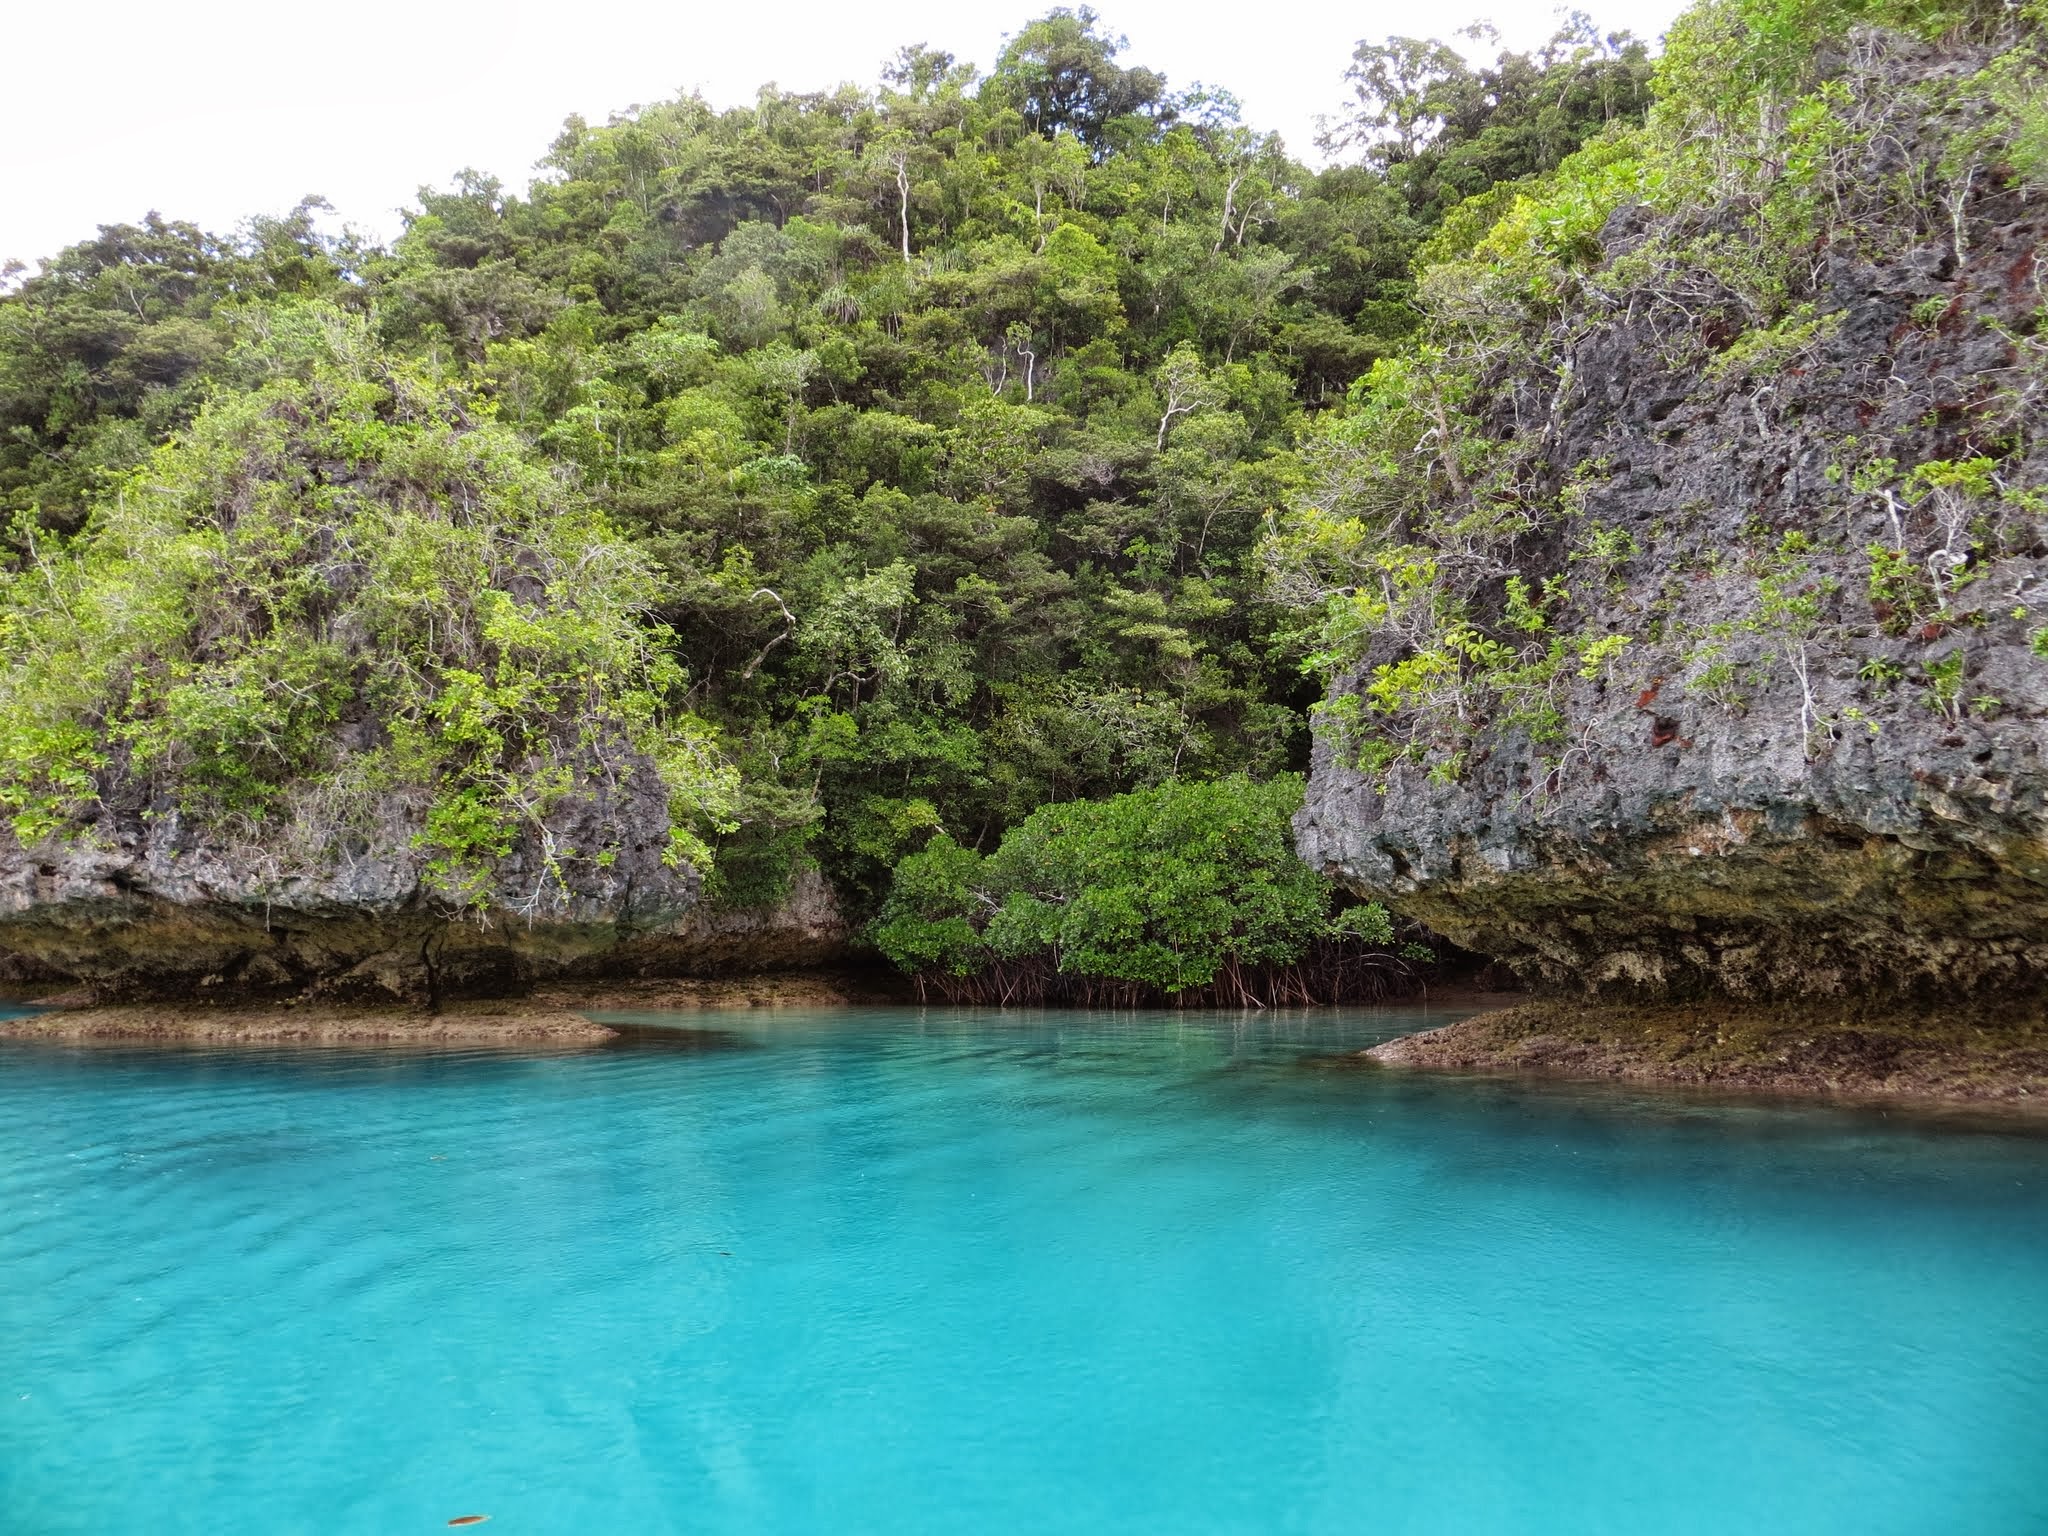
x: 1763, y: 714
x: 158, y: 1024
x: 754, y: 989
x: 551, y: 1016
x: 1950, y: 1057
x: 1959, y: 1057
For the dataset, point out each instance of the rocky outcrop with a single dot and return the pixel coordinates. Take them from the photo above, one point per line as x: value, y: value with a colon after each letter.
x: 141, y: 905
x: 286, y: 1023
x: 804, y: 931
x: 159, y: 909
x: 1845, y: 794
x: 1692, y: 852
x: 1940, y: 1056
x: 150, y: 906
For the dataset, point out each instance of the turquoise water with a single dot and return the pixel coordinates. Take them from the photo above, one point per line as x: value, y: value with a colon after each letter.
x: 899, y: 1272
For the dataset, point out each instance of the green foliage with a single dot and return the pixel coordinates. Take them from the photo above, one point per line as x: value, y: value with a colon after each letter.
x: 107, y: 349
x: 1446, y: 130
x: 2022, y: 96
x: 1721, y: 56
x: 978, y: 461
x: 1772, y: 349
x: 1899, y: 590
x: 342, y: 553
x: 1943, y: 680
x: 1163, y: 889
x: 1790, y: 601
x: 923, y: 438
x: 954, y: 410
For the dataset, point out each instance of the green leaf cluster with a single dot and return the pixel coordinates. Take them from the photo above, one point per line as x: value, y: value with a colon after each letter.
x: 1162, y: 888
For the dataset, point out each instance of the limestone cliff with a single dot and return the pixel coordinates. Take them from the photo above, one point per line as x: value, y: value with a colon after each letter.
x: 163, y: 910
x: 344, y: 690
x: 165, y: 907
x: 1789, y: 555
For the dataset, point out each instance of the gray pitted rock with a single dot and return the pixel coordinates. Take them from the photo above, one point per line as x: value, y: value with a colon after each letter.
x: 1713, y: 821
x: 150, y: 905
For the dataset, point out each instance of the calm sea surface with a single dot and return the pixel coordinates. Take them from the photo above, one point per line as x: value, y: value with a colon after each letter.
x: 902, y: 1271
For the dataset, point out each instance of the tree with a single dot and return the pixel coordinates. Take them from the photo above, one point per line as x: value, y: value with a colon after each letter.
x: 1060, y: 72
x: 1183, y: 890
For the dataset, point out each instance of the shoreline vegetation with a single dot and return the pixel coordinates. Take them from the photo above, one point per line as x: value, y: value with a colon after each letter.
x: 1185, y: 895
x: 855, y: 479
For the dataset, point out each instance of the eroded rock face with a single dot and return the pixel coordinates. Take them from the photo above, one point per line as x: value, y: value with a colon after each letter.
x: 804, y: 931
x: 1872, y: 829
x: 152, y: 906
x: 1723, y: 865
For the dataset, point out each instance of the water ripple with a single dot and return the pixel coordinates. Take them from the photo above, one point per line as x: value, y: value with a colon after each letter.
x: 902, y: 1271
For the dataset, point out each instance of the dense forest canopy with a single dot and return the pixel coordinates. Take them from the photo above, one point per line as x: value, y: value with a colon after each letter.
x: 941, y: 429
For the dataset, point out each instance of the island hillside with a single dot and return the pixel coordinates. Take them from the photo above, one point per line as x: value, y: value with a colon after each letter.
x: 961, y: 522
x: 1685, y: 585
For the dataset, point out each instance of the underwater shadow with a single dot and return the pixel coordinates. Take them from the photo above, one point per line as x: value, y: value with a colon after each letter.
x: 673, y: 1037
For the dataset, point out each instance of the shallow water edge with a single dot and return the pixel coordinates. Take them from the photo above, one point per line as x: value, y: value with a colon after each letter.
x: 1979, y: 1057
x: 1931, y: 1058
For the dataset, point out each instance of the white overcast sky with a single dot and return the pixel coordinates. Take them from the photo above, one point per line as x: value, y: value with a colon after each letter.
x: 212, y: 110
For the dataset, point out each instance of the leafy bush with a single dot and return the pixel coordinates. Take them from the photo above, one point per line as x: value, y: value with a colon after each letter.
x: 1182, y: 889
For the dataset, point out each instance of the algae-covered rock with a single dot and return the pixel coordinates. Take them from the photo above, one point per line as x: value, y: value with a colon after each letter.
x: 166, y: 907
